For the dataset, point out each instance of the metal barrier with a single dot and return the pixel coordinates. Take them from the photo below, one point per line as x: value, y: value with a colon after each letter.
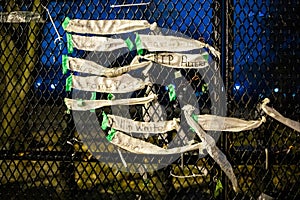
x: 44, y: 155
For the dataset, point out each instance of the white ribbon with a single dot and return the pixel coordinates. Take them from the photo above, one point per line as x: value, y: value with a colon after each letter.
x: 107, y: 27
x: 90, y: 67
x: 132, y: 126
x: 120, y: 84
x: 176, y: 60
x: 210, y: 146
x: 82, y: 105
x: 276, y: 115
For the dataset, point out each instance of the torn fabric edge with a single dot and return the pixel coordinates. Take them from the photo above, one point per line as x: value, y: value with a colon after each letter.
x: 120, y: 84
x: 276, y: 115
x: 106, y: 27
x: 132, y: 126
x: 176, y: 60
x: 73, y: 104
x: 90, y: 67
x: 210, y: 146
x: 230, y: 124
x: 138, y: 146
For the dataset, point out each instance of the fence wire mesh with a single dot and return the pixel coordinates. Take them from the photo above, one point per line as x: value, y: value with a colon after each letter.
x: 44, y: 155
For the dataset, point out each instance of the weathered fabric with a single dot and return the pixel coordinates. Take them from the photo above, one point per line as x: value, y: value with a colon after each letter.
x: 120, y: 84
x: 106, y: 27
x: 90, y: 67
x: 218, y: 123
x: 73, y: 104
x: 276, y: 115
x: 176, y: 60
x: 132, y: 126
x: 210, y: 146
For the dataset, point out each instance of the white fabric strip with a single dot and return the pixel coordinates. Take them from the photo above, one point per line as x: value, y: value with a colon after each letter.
x: 176, y: 60
x: 92, y: 43
x: 82, y: 105
x: 120, y: 84
x: 138, y: 146
x: 152, y: 43
x: 210, y: 146
x: 218, y: 123
x: 90, y: 67
x: 173, y: 44
x: 276, y: 115
x: 107, y: 27
x: 131, y: 126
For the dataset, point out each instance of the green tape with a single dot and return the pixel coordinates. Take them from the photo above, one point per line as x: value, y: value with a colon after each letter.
x: 69, y: 83
x: 204, y: 88
x: 172, y: 93
x: 205, y: 56
x: 104, y: 123
x: 80, y: 102
x: 65, y: 64
x: 66, y: 22
x: 111, y: 134
x: 110, y: 96
x: 218, y: 189
x: 195, y: 117
x: 138, y: 44
x: 69, y: 43
x: 129, y: 44
x: 93, y: 97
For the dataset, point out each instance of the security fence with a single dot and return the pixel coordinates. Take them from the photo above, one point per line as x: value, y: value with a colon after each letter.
x: 50, y: 152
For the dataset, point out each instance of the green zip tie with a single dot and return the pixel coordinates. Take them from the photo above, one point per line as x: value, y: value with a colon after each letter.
x: 66, y: 22
x: 110, y: 96
x: 104, y: 123
x: 93, y: 97
x: 129, y: 44
x: 172, y: 93
x: 218, y: 189
x: 65, y: 64
x: 69, y: 43
x: 205, y: 56
x: 69, y: 83
x: 80, y: 102
x: 195, y: 117
x: 204, y: 88
x: 111, y: 134
x: 138, y: 44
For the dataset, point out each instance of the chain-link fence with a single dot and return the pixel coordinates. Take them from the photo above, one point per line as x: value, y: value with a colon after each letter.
x: 45, y: 152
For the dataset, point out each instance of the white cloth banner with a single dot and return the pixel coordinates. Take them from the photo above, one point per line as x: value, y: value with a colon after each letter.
x: 82, y: 105
x: 230, y: 124
x: 131, y: 126
x: 106, y: 27
x: 210, y: 146
x: 120, y: 84
x: 138, y: 146
x: 90, y: 67
x: 176, y: 60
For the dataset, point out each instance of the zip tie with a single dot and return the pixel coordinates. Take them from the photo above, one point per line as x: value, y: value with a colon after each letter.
x: 66, y: 22
x: 129, y: 44
x: 80, y: 102
x: 69, y: 43
x: 218, y: 189
x: 65, y: 64
x: 195, y: 117
x: 111, y: 134
x: 110, y: 96
x: 139, y: 45
x: 172, y: 93
x: 104, y: 123
x: 93, y: 97
x: 69, y: 83
x: 59, y: 38
x: 205, y: 56
x: 128, y: 5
